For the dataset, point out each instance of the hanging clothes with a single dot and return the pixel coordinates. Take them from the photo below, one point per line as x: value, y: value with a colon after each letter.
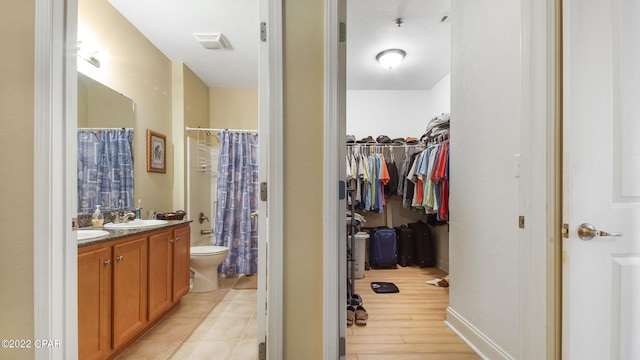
x: 373, y: 175
x: 426, y: 180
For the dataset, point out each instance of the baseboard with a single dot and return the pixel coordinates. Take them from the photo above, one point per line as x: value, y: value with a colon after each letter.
x: 479, y: 342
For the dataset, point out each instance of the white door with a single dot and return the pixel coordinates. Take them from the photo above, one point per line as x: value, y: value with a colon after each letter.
x: 601, y: 276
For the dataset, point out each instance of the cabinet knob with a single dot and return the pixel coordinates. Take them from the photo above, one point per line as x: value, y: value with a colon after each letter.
x: 120, y: 258
x: 107, y: 262
x: 171, y: 241
x: 177, y: 239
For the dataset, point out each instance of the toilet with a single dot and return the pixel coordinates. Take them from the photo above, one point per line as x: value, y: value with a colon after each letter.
x: 204, y: 265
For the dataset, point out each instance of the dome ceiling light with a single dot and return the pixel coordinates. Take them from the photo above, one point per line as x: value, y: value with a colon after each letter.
x: 391, y: 58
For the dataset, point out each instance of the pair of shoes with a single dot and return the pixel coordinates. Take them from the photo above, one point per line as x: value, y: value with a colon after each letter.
x: 361, y: 316
x: 355, y: 300
x: 350, y: 315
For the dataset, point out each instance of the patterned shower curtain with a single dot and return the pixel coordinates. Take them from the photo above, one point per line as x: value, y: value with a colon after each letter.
x: 237, y: 198
x: 105, y: 169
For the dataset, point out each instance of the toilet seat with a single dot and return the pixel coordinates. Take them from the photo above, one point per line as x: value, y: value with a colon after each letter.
x: 207, y: 250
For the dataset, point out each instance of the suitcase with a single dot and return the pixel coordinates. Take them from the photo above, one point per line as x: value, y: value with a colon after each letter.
x: 424, y: 255
x: 405, y: 239
x: 383, y: 251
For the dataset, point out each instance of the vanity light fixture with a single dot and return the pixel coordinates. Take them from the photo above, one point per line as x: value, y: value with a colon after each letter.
x: 89, y: 55
x: 390, y: 58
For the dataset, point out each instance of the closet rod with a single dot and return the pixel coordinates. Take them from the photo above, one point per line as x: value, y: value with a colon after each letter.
x: 385, y: 144
x: 106, y: 128
x: 212, y: 129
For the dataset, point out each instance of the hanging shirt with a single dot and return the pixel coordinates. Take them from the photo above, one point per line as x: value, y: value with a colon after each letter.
x: 391, y: 188
x: 409, y: 185
x: 429, y: 190
x: 383, y: 180
x: 419, y: 186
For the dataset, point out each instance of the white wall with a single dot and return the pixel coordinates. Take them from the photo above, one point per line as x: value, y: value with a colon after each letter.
x: 486, y: 115
x: 439, y: 100
x: 395, y: 113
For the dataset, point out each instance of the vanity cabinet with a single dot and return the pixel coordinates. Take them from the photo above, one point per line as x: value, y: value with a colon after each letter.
x: 95, y: 268
x: 181, y: 262
x: 168, y: 269
x: 126, y: 284
x: 129, y: 289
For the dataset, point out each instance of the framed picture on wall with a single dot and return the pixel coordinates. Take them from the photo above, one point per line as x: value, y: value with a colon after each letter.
x: 156, y: 152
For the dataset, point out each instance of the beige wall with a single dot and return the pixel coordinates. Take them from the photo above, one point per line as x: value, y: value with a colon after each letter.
x: 16, y: 139
x: 303, y: 148
x: 191, y: 109
x: 147, y: 81
x: 234, y: 108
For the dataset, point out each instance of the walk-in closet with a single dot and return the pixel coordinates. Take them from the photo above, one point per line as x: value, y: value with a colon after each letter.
x: 397, y: 181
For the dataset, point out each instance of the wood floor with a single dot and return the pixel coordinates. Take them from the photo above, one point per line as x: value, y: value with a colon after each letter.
x: 408, y: 325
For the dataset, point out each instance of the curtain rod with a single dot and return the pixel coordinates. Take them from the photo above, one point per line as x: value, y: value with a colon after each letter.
x: 212, y: 129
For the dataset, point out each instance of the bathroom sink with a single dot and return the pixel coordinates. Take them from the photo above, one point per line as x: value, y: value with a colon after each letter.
x: 90, y: 234
x: 135, y: 224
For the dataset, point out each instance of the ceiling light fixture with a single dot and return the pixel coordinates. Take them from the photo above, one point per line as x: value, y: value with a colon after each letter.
x: 390, y: 58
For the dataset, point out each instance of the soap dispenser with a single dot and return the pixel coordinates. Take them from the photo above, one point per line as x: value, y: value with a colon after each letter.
x: 97, y: 219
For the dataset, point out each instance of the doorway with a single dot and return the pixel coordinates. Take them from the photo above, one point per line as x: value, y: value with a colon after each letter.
x: 523, y: 169
x: 398, y: 104
x: 58, y: 319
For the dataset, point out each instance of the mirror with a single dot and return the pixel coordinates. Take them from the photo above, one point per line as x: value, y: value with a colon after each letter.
x: 102, y: 107
x: 106, y: 120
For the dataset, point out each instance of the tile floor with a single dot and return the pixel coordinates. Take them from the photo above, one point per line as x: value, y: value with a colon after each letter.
x: 219, y: 324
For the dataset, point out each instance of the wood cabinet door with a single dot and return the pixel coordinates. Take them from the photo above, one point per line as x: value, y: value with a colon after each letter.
x: 181, y: 263
x: 129, y: 289
x: 160, y: 273
x: 94, y: 303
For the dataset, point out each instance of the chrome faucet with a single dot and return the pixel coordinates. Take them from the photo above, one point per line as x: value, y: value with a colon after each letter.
x: 121, y: 215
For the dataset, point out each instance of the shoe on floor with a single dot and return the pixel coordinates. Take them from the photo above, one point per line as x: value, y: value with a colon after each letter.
x: 350, y: 314
x: 361, y: 316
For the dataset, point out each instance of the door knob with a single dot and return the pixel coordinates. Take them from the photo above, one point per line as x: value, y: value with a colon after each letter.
x: 587, y: 232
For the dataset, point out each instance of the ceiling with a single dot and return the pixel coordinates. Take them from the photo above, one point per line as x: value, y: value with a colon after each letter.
x: 371, y: 28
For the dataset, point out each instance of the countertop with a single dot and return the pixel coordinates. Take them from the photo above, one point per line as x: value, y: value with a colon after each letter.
x: 117, y: 234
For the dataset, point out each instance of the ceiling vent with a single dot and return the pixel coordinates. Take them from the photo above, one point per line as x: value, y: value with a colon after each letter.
x: 214, y: 41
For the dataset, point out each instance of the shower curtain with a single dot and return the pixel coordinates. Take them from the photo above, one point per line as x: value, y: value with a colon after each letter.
x: 105, y: 169
x: 237, y: 199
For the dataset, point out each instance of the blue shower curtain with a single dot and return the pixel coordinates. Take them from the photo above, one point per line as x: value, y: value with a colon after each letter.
x: 105, y: 169
x: 237, y: 198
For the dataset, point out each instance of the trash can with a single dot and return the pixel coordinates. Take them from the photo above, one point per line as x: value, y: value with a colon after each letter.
x: 358, y: 254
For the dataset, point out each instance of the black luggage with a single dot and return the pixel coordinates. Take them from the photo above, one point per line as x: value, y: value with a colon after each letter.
x: 405, y: 238
x: 424, y: 255
x: 383, y: 252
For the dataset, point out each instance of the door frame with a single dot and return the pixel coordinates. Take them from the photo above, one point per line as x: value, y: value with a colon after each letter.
x: 540, y: 249
x: 271, y: 108
x: 334, y: 208
x: 55, y: 176
x: 541, y: 180
x: 55, y: 201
